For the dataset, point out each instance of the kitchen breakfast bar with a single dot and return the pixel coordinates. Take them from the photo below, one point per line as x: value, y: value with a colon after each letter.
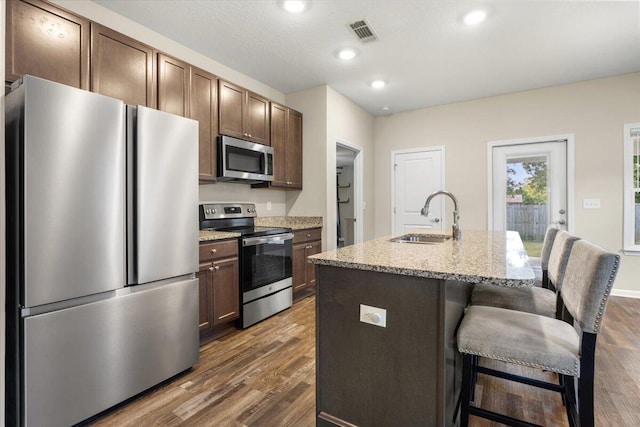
x: 387, y: 314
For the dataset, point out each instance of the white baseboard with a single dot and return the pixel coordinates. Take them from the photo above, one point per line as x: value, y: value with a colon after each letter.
x: 625, y: 293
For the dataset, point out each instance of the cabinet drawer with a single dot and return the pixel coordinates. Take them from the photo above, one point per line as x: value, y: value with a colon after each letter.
x: 218, y: 250
x: 307, y: 235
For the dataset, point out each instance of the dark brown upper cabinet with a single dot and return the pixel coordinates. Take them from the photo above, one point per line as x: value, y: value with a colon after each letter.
x: 48, y: 42
x: 173, y: 85
x: 286, y: 140
x: 122, y: 67
x: 204, y: 109
x: 243, y: 114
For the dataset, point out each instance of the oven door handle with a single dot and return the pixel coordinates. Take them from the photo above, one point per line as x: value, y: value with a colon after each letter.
x: 275, y: 238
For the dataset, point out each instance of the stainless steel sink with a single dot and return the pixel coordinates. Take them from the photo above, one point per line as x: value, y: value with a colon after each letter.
x: 426, y: 239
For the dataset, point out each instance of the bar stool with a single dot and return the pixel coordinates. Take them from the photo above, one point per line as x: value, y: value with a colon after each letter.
x: 538, y: 300
x: 565, y: 346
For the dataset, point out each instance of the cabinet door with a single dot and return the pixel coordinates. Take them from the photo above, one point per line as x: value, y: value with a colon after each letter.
x: 204, y: 109
x: 231, y: 105
x: 205, y: 275
x: 47, y: 42
x: 312, y: 249
x: 122, y: 67
x: 294, y: 149
x: 257, y: 119
x: 173, y: 85
x: 298, y: 266
x: 279, y: 144
x: 226, y: 291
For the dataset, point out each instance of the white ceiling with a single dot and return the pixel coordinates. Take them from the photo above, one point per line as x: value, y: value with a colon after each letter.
x: 424, y: 52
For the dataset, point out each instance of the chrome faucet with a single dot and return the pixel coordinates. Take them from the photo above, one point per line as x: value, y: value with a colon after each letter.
x: 456, y: 232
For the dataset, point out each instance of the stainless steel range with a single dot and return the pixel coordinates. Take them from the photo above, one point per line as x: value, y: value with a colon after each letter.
x: 265, y: 259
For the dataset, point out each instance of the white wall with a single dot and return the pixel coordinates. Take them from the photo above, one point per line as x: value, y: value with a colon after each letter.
x: 594, y: 111
x: 346, y: 121
x: 312, y: 103
x: 328, y: 117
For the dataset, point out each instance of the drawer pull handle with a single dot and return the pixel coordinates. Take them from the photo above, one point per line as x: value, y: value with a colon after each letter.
x: 210, y: 268
x: 308, y: 235
x: 213, y: 251
x: 216, y: 268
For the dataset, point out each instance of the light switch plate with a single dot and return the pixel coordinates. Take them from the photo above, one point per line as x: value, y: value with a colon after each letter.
x: 591, y: 203
x: 373, y: 315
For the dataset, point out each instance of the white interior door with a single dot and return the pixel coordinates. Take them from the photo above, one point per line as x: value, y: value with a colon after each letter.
x: 529, y: 190
x: 416, y: 175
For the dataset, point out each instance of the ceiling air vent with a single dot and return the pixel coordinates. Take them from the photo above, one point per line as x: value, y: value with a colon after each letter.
x: 363, y: 31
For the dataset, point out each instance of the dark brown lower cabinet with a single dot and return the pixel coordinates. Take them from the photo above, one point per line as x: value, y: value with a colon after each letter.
x: 219, y: 286
x: 305, y: 243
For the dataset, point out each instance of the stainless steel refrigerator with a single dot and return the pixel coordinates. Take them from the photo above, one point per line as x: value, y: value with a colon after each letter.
x: 102, y: 234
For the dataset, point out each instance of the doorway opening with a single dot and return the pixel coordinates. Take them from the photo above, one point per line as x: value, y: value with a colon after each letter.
x: 349, y: 218
x: 530, y: 187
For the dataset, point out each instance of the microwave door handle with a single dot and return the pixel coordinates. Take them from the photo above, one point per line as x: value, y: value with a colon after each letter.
x: 277, y: 239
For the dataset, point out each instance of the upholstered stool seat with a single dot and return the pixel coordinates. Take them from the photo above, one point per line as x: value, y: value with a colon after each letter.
x: 529, y: 340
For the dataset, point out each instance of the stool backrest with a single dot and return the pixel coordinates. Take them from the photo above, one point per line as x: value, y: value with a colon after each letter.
x: 587, y: 283
x: 547, y: 244
x: 559, y: 256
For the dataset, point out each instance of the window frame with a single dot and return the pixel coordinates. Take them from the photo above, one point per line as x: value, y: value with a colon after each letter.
x: 629, y: 244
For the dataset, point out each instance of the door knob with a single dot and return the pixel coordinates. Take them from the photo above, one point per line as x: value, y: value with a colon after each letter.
x: 562, y: 222
x: 562, y: 211
x: 435, y: 220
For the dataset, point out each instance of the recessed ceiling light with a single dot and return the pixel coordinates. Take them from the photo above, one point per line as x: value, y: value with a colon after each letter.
x: 378, y: 84
x: 347, y: 54
x: 475, y: 17
x: 386, y: 108
x: 294, y: 6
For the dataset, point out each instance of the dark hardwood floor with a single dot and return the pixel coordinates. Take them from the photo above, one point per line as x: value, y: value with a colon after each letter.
x: 265, y: 376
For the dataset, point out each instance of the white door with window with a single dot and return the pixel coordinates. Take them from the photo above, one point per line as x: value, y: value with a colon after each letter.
x: 416, y: 174
x: 529, y: 189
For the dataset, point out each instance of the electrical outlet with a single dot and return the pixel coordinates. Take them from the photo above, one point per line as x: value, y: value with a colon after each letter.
x: 373, y: 315
x: 591, y: 203
x: 268, y: 206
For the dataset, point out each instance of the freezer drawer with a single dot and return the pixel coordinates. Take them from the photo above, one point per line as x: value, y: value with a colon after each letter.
x: 83, y: 360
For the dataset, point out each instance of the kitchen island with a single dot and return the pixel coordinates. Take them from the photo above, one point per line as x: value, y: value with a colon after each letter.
x: 407, y: 372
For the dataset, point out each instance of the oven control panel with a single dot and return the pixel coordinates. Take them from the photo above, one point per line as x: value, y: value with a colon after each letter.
x: 227, y: 210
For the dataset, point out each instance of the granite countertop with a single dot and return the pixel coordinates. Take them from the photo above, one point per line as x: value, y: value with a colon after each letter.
x: 292, y: 222
x: 495, y: 257
x: 206, y: 236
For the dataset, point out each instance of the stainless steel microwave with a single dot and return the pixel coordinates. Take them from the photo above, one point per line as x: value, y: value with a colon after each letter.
x: 244, y: 161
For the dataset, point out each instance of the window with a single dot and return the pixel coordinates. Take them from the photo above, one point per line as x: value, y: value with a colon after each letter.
x: 632, y: 189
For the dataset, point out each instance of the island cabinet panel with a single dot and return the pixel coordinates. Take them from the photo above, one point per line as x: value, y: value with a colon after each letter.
x: 219, y: 278
x: 243, y: 114
x: 122, y: 67
x: 305, y: 243
x: 204, y: 109
x: 401, y: 374
x: 173, y: 85
x: 286, y: 140
x: 48, y: 42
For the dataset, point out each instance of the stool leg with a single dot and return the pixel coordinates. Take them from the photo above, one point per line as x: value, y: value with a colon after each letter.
x: 465, y: 392
x: 585, y: 382
x: 474, y: 376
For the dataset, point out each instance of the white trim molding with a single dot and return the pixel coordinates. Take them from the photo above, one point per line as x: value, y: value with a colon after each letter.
x: 535, y: 140
x: 625, y: 293
x: 358, y: 188
x: 630, y: 247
